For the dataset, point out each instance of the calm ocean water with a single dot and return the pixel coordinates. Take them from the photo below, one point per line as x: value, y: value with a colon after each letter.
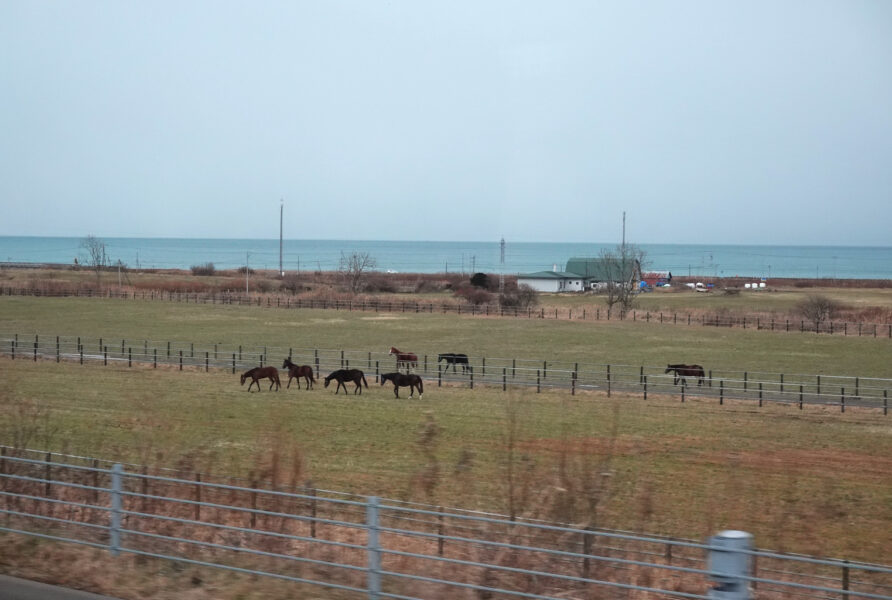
x: 432, y: 257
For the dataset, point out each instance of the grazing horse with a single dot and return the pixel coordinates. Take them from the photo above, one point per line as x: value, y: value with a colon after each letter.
x: 404, y: 358
x: 682, y: 371
x: 455, y: 359
x: 399, y: 380
x: 342, y: 375
x: 258, y: 373
x: 296, y: 372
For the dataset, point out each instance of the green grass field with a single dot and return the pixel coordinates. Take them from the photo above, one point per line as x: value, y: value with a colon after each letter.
x: 601, y: 342
x: 812, y: 481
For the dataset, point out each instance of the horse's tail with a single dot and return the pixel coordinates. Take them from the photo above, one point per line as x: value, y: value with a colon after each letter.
x: 361, y: 374
x: 310, y: 375
x: 420, y: 386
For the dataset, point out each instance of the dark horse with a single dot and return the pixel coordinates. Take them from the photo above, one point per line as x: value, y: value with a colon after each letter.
x: 296, y: 372
x: 343, y: 375
x: 406, y: 359
x: 455, y: 359
x: 682, y: 371
x: 399, y: 380
x: 258, y: 373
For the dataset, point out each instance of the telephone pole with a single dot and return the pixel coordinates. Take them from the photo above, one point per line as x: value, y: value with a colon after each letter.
x: 502, y: 268
x: 281, y: 212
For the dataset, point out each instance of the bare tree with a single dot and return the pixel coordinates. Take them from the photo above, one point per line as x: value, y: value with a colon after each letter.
x: 354, y: 267
x: 620, y: 270
x: 818, y: 309
x: 97, y: 258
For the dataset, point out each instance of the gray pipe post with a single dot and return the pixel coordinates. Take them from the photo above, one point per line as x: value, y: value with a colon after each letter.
x: 373, y: 548
x: 729, y: 565
x: 117, y: 475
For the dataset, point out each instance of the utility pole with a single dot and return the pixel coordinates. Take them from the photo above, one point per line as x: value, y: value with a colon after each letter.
x: 624, y: 230
x: 247, y: 257
x: 502, y: 268
x: 281, y: 212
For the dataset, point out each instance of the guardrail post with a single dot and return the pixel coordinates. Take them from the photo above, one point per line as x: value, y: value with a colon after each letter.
x: 441, y: 531
x: 729, y: 565
x: 117, y: 476
x: 373, y: 548
x: 845, y: 579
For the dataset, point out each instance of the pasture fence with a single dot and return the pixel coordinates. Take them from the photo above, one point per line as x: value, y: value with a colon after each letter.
x: 365, y: 546
x: 759, y: 323
x: 757, y: 387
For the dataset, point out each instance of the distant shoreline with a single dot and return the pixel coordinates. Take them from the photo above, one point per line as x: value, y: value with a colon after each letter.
x: 734, y: 281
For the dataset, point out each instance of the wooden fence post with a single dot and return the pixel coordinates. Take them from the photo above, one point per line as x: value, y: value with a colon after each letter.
x: 645, y: 387
x: 722, y: 391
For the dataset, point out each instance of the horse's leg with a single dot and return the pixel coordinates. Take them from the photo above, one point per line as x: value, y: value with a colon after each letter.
x: 288, y: 387
x: 395, y: 390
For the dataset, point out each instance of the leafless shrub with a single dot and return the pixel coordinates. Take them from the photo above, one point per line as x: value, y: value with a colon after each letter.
x: 205, y: 270
x: 473, y: 295
x: 523, y: 297
x: 818, y: 309
x: 354, y: 267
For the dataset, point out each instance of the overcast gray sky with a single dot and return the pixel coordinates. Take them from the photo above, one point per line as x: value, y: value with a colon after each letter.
x: 716, y: 122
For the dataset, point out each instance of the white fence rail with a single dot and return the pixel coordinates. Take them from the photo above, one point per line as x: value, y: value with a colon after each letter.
x: 379, y: 548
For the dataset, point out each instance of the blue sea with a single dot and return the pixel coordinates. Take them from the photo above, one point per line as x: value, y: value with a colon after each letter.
x: 830, y: 262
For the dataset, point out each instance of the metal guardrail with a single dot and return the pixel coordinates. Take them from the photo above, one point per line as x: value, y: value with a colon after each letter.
x: 380, y: 548
x: 757, y: 387
x: 759, y: 323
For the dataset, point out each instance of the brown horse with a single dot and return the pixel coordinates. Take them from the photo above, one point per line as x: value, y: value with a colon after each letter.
x: 682, y: 371
x: 258, y: 373
x: 400, y: 380
x: 343, y: 375
x: 296, y: 372
x: 406, y: 359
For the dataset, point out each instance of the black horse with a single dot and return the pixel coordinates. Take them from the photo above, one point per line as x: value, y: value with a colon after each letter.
x: 258, y: 373
x: 455, y: 359
x: 296, y: 372
x: 399, y: 380
x: 343, y: 375
x: 682, y: 371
